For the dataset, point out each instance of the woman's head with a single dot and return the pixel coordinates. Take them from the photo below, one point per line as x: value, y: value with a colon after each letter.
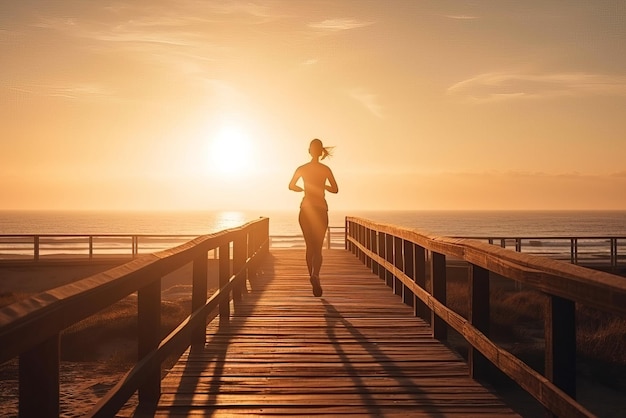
x: 317, y: 149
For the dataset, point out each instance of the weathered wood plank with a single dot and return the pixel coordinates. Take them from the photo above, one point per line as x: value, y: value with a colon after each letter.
x: 356, y: 350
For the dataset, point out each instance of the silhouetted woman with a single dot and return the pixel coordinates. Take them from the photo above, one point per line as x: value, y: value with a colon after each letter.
x: 317, y: 178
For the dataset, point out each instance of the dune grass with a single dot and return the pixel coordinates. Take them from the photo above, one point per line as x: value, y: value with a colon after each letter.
x: 111, y: 335
x: 517, y: 324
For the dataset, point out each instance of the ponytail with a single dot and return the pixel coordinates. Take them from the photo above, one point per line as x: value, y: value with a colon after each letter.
x: 318, y: 149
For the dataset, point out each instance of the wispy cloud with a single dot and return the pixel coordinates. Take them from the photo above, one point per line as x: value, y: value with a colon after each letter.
x: 163, y: 30
x: 462, y: 17
x: 490, y: 87
x: 65, y: 91
x: 368, y: 100
x: 233, y: 7
x: 336, y: 25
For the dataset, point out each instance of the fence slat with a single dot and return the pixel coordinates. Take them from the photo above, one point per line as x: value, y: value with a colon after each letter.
x: 199, y: 295
x: 39, y: 380
x: 149, y: 336
x: 438, y: 284
x: 478, y: 316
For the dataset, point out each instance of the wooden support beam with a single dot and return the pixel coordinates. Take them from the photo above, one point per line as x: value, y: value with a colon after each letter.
x: 382, y: 251
x: 368, y: 245
x: 409, y: 269
x: 374, y: 248
x: 398, y: 262
x: 560, y: 335
x: 240, y: 255
x: 479, y: 310
x: 199, y: 296
x: 389, y: 259
x: 420, y: 308
x: 224, y: 277
x: 438, y: 280
x: 39, y: 380
x: 149, y: 333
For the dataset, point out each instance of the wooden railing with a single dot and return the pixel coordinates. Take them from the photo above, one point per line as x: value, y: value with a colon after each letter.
x: 35, y: 247
x: 404, y: 258
x: 31, y: 328
x: 60, y: 247
x: 599, y: 252
x: 591, y: 251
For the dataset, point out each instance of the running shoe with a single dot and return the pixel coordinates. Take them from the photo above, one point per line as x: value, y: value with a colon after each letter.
x: 317, y: 288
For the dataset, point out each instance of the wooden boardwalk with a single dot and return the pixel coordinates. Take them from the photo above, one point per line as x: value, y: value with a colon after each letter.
x: 358, y: 350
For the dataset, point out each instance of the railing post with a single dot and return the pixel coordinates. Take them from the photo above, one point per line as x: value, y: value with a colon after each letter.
x: 574, y: 250
x: 398, y: 262
x: 374, y: 248
x: 149, y: 337
x: 367, y: 242
x: 409, y: 269
x: 355, y: 234
x: 420, y: 308
x: 560, y: 336
x: 266, y: 236
x: 382, y: 254
x: 39, y: 380
x: 251, y: 250
x: 362, y: 231
x: 240, y: 247
x: 328, y: 238
x: 438, y: 282
x: 90, y: 247
x: 36, y: 247
x: 613, y: 252
x: 199, y: 295
x: 224, y: 276
x: 346, y: 243
x: 389, y: 259
x: 478, y: 316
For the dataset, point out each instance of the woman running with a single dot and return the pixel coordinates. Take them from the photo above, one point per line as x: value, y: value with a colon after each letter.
x: 317, y: 178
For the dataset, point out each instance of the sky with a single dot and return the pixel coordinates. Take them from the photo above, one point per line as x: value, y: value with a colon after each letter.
x: 211, y: 104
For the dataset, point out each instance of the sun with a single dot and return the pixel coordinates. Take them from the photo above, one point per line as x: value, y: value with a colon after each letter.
x: 230, y: 152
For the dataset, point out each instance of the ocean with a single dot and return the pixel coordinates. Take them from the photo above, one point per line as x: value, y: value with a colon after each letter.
x: 285, y: 230
x: 449, y: 223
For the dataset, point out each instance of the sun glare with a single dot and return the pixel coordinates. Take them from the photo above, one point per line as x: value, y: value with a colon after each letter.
x: 230, y: 152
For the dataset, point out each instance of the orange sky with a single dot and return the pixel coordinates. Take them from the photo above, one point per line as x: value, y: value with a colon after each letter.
x: 430, y: 104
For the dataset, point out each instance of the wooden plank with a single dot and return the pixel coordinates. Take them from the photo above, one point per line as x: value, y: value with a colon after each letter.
x: 357, y: 350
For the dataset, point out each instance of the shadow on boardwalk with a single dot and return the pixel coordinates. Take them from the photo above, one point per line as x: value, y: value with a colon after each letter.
x: 358, y: 351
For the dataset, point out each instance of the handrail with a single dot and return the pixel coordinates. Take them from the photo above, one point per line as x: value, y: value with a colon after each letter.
x: 88, y: 243
x: 31, y: 328
x: 85, y: 242
x: 605, y: 252
x: 398, y: 256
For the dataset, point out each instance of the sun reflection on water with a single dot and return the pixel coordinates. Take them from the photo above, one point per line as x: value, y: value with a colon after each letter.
x: 229, y: 219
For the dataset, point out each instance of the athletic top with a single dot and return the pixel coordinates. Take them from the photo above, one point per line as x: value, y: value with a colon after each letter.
x: 314, y: 175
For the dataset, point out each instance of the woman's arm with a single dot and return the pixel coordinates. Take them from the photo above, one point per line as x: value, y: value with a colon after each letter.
x: 292, y: 184
x: 332, y: 187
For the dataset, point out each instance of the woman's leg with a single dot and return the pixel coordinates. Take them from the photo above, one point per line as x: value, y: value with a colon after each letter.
x: 314, y: 223
x: 307, y: 233
x: 320, y: 226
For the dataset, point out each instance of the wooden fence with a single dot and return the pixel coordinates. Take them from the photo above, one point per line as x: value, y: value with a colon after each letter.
x: 35, y: 247
x: 31, y: 328
x: 404, y: 258
x: 600, y: 252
